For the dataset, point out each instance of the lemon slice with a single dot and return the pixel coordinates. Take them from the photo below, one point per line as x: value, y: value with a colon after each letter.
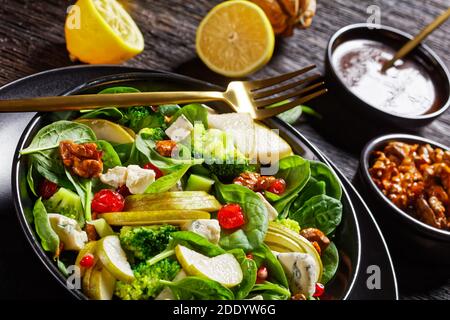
x: 114, y: 258
x: 224, y: 268
x: 101, y: 31
x: 107, y: 130
x: 235, y: 38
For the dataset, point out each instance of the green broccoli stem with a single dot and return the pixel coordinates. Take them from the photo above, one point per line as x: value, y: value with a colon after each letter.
x: 163, y: 255
x: 165, y: 282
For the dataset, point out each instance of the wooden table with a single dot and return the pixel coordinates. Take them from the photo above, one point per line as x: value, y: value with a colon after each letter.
x: 32, y: 40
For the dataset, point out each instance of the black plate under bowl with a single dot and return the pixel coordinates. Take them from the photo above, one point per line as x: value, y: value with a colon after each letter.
x: 425, y: 243
x: 347, y: 236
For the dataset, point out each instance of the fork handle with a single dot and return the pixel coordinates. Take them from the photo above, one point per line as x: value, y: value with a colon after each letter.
x: 97, y: 101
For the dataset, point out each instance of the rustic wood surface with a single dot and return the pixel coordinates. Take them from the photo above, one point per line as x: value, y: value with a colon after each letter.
x: 32, y: 40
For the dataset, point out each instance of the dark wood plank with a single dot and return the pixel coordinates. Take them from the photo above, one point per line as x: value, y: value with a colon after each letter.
x: 32, y: 40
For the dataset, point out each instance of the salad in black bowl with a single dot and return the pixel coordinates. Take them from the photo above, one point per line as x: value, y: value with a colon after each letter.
x: 180, y: 202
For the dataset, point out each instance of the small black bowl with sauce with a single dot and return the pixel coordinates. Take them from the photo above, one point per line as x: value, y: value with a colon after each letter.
x: 409, y: 95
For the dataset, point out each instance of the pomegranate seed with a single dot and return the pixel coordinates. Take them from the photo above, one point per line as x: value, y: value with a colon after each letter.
x: 277, y: 187
x: 230, y: 216
x: 87, y: 261
x: 107, y: 200
x: 124, y: 191
x: 158, y: 173
x: 47, y: 189
x: 262, y: 274
x: 320, y: 289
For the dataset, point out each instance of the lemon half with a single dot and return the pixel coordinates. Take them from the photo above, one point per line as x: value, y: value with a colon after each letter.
x: 101, y: 31
x: 235, y: 38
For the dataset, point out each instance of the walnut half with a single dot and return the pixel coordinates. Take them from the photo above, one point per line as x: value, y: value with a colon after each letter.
x: 84, y: 160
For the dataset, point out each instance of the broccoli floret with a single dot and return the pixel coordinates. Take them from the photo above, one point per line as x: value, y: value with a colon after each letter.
x: 146, y: 283
x: 143, y: 243
x: 221, y: 157
x: 154, y: 134
x: 67, y: 203
x: 290, y: 224
x: 137, y: 118
x: 228, y: 171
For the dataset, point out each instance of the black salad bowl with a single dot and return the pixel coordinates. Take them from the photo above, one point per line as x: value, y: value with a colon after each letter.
x: 347, y: 236
x: 408, y: 237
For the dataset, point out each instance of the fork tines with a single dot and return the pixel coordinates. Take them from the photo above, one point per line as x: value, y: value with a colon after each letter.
x: 270, y: 91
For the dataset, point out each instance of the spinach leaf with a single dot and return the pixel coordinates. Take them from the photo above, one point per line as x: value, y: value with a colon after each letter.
x: 166, y: 182
x: 168, y: 110
x: 83, y: 187
x: 321, y: 172
x: 321, y: 212
x: 312, y: 188
x: 291, y: 116
x: 110, y: 157
x: 153, y: 120
x: 296, y: 172
x: 198, y: 288
x: 30, y: 179
x: 330, y: 261
x: 193, y: 112
x: 124, y: 152
x: 49, y: 238
x: 271, y: 291
x: 283, y: 205
x: 109, y: 113
x: 249, y: 271
x: 265, y: 256
x: 254, y: 230
x: 146, y: 147
x: 62, y: 267
x: 113, y: 90
x: 50, y: 136
x: 49, y: 165
x: 196, y: 242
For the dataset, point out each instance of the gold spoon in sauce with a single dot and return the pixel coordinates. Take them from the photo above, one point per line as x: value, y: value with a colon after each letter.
x: 411, y: 44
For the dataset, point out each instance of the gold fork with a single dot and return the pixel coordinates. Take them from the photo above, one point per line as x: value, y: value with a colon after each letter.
x: 253, y: 97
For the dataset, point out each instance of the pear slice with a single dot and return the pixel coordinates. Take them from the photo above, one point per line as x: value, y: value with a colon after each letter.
x: 85, y: 284
x: 101, y: 283
x: 114, y: 258
x: 107, y: 130
x: 141, y: 203
x: 269, y: 144
x: 153, y: 217
x: 89, y: 248
x: 237, y: 125
x: 102, y: 227
x: 224, y: 268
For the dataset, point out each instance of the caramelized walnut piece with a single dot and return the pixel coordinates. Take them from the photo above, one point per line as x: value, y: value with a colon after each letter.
x: 316, y: 237
x: 416, y: 178
x: 254, y: 181
x: 84, y: 160
x: 165, y: 147
x: 298, y: 296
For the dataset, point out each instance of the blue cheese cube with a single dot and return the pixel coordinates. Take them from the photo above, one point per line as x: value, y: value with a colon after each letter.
x: 180, y: 129
x: 301, y: 271
x: 208, y: 228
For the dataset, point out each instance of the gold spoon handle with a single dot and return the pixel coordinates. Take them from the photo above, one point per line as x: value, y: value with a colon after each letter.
x: 411, y: 44
x: 96, y: 101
